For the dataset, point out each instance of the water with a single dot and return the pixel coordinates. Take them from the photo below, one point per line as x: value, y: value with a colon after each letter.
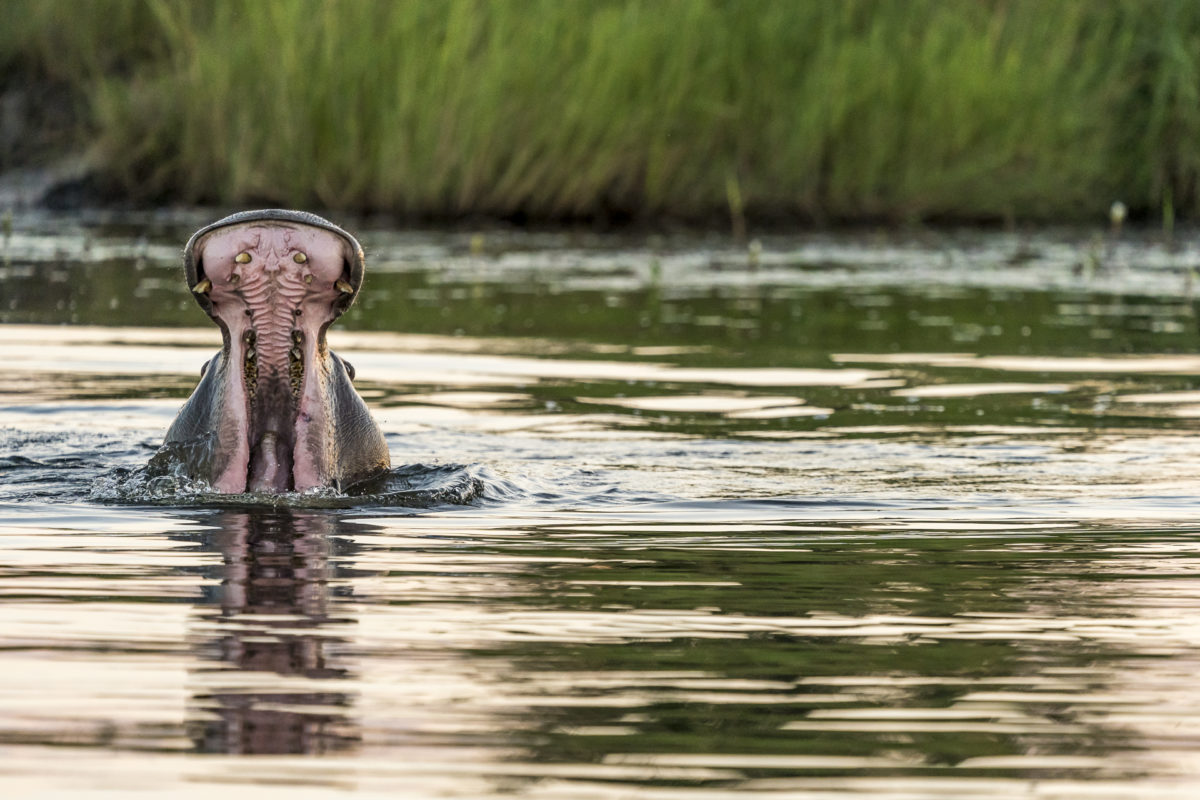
x: 830, y: 516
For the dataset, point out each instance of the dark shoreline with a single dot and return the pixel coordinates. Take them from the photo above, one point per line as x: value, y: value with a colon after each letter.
x: 71, y: 184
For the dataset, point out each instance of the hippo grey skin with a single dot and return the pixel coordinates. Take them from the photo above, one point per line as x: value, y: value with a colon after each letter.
x: 275, y: 410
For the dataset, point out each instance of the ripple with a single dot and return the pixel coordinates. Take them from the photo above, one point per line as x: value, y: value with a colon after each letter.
x: 410, y: 486
x: 666, y: 547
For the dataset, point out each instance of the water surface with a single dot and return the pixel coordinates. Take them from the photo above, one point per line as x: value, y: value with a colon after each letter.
x: 674, y: 517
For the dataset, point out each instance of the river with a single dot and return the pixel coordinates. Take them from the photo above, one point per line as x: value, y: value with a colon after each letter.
x: 835, y: 515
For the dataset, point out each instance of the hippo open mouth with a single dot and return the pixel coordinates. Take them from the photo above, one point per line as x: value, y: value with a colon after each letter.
x: 275, y: 411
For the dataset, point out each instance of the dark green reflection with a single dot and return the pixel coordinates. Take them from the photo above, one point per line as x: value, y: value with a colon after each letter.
x: 752, y: 325
x: 929, y: 620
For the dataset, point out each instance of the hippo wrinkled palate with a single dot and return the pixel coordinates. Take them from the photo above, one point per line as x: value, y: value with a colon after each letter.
x: 275, y: 410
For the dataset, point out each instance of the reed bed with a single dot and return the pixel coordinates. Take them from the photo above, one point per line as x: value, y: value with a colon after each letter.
x: 635, y: 109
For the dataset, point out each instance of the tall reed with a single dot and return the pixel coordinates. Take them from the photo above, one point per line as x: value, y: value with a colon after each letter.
x: 858, y: 109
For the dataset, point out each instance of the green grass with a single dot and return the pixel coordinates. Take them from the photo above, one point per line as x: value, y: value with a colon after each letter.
x: 697, y: 109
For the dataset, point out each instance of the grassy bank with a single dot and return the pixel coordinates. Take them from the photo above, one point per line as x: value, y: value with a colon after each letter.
x: 700, y: 109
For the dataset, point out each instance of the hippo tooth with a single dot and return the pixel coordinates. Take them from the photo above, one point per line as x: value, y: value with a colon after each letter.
x: 344, y: 287
x: 203, y: 287
x: 300, y: 258
x: 242, y: 258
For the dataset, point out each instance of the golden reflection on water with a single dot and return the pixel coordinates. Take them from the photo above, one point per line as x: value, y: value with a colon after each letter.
x: 383, y: 358
x: 1153, y: 364
x: 979, y: 389
x: 955, y: 605
x: 405, y: 653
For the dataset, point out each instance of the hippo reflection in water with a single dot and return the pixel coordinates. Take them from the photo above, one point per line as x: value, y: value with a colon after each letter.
x: 274, y: 410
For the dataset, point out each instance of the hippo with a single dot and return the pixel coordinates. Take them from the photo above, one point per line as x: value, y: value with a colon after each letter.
x: 275, y: 411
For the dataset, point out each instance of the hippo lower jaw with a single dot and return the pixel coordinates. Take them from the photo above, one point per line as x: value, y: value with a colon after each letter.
x: 275, y: 411
x: 277, y: 435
